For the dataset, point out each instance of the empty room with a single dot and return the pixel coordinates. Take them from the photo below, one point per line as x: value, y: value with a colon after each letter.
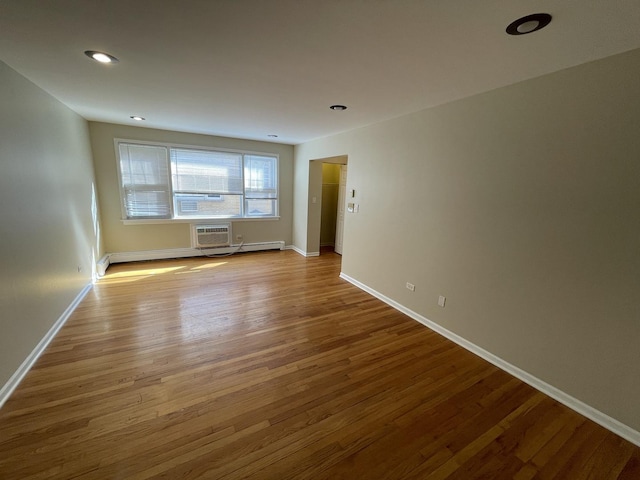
x: 333, y: 239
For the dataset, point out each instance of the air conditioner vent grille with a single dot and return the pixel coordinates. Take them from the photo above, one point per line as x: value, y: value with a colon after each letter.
x: 211, y: 236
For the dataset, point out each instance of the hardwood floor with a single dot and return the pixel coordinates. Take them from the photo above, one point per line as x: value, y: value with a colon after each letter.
x: 269, y: 366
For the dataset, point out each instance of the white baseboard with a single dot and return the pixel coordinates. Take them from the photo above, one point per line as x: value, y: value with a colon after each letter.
x: 102, y: 265
x: 8, y: 388
x: 302, y: 252
x: 582, y: 408
x: 121, y: 257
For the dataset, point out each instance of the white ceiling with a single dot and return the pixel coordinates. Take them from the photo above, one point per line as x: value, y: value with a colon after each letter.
x: 250, y: 68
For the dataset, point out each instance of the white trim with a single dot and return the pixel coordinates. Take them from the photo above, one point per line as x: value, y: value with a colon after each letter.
x: 8, y: 388
x: 102, y: 265
x: 302, y: 252
x: 121, y: 257
x: 582, y: 408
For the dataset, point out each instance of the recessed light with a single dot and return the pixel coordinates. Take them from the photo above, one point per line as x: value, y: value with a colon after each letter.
x: 529, y: 24
x: 137, y: 118
x: 338, y: 107
x: 101, y: 57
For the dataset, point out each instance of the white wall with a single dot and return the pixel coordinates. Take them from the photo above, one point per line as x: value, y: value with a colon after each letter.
x: 120, y: 238
x: 521, y: 206
x: 48, y: 215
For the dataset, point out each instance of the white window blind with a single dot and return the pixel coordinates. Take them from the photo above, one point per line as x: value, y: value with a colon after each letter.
x: 202, y: 171
x: 144, y: 173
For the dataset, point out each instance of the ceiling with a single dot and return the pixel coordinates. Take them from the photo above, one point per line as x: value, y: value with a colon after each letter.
x: 253, y: 68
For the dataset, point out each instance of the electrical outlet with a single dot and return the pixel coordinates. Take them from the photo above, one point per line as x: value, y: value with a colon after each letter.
x: 441, y: 301
x: 411, y: 286
x: 79, y: 269
x: 238, y: 237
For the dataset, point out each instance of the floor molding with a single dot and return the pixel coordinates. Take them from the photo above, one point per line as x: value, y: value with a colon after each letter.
x: 122, y: 257
x: 8, y: 388
x: 302, y: 252
x: 582, y: 408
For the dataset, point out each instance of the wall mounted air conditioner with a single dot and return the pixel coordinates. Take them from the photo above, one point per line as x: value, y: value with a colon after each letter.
x: 210, y: 236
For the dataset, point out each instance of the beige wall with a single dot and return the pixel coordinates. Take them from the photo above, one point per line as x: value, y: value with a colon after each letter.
x: 49, y: 224
x: 119, y: 237
x: 521, y: 206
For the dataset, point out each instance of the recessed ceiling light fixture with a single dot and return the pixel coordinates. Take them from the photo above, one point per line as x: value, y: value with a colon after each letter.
x: 101, y: 57
x: 338, y: 107
x: 529, y: 24
x: 137, y: 118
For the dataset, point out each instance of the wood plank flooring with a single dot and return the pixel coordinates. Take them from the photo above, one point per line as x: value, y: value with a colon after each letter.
x: 269, y: 366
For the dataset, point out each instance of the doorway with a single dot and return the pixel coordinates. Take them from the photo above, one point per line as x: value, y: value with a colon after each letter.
x: 325, y: 227
x: 329, y: 208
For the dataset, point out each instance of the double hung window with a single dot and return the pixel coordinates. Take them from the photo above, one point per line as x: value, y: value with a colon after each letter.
x: 174, y: 182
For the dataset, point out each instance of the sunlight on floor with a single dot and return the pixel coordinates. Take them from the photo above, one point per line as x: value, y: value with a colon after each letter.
x: 146, y: 272
x: 136, y: 275
x: 209, y: 265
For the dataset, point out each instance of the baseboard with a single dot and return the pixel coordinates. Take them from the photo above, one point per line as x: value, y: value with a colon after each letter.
x: 102, y: 265
x: 302, y: 252
x: 582, y: 408
x: 8, y: 388
x: 122, y: 257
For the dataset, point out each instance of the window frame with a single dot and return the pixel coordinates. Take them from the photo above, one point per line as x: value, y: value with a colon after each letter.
x: 195, y: 219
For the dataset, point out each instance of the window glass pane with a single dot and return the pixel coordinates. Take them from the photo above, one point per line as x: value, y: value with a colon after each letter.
x: 201, y: 171
x: 260, y: 207
x: 144, y: 173
x: 260, y: 176
x: 211, y: 205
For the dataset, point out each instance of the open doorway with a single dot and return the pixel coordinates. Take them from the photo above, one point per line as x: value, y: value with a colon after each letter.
x: 329, y: 208
x: 327, y: 177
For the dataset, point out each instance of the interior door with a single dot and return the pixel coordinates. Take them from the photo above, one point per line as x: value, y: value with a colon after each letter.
x: 342, y: 199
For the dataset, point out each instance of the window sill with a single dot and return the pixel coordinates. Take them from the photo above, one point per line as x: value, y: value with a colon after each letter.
x: 167, y: 221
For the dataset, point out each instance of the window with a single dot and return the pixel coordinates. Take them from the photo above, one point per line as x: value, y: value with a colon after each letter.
x: 144, y: 175
x: 260, y: 186
x: 175, y: 182
x: 197, y: 174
